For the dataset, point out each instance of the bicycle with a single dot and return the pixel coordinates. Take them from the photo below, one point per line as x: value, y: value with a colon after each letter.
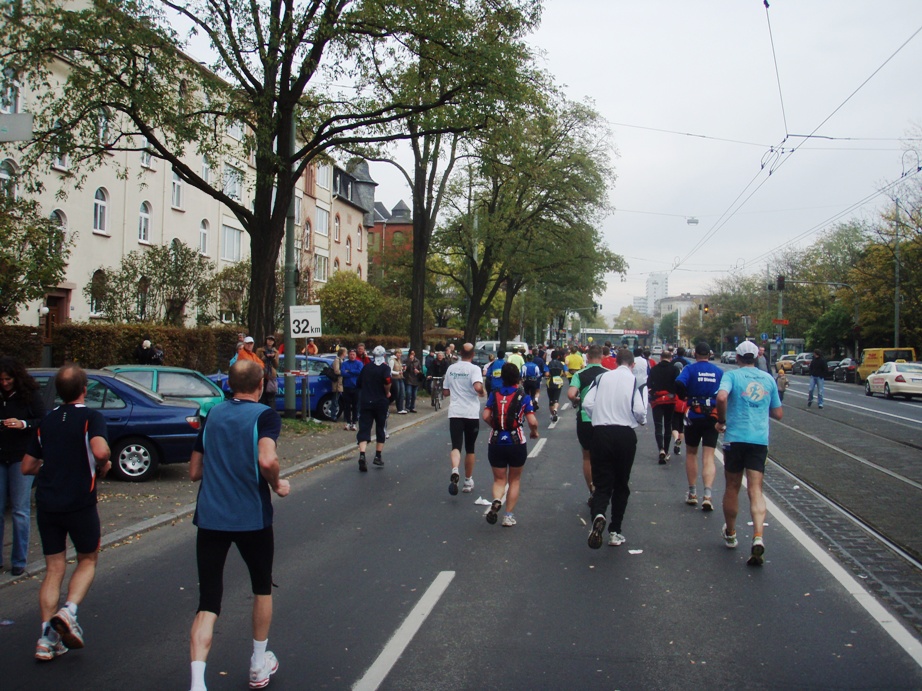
x: 435, y: 392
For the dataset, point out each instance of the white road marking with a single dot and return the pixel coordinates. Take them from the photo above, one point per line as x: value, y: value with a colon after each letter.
x: 565, y: 406
x: 870, y: 464
x: 890, y: 624
x: 862, y: 408
x: 535, y: 451
x: 382, y: 666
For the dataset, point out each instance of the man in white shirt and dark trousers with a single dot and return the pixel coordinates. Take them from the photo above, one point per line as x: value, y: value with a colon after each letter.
x: 616, y: 408
x: 463, y: 385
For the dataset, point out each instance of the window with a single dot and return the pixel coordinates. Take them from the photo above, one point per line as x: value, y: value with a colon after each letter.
x: 231, y: 240
x: 58, y: 218
x: 358, y: 239
x: 235, y: 130
x: 298, y: 218
x: 147, y: 159
x: 98, y: 395
x: 335, y: 265
x: 336, y: 228
x: 371, y: 241
x: 203, y: 238
x: 233, y: 182
x: 97, y: 292
x: 101, y: 212
x: 359, y: 272
x: 176, y: 196
x: 183, y: 384
x: 58, y: 154
x: 321, y: 265
x: 324, y: 176
x: 10, y: 97
x: 307, y: 237
x: 144, y: 222
x: 397, y: 239
x: 104, y: 127
x: 8, y: 179
x: 348, y: 250
x: 206, y: 170
x: 323, y: 222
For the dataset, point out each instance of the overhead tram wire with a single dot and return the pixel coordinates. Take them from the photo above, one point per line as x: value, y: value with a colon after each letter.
x: 771, y: 39
x: 721, y: 222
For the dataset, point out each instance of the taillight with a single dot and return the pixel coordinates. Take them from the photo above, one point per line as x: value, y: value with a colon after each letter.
x: 194, y: 421
x: 900, y: 379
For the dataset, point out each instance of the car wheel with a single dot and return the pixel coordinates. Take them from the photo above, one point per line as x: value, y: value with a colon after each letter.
x: 887, y: 391
x: 135, y: 459
x: 867, y: 389
x: 325, y: 408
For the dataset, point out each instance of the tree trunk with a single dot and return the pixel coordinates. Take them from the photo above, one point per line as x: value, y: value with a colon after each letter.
x: 264, y: 254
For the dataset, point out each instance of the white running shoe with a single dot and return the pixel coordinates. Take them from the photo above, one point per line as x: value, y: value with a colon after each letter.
x: 468, y: 485
x: 46, y: 650
x: 259, y: 678
x: 616, y: 539
x: 729, y: 540
x: 508, y: 520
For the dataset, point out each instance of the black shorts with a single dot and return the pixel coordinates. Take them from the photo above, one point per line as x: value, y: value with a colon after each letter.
x: 507, y: 455
x: 584, y: 433
x: 678, y: 422
x: 553, y: 394
x: 463, y: 429
x: 740, y: 456
x: 531, y: 387
x: 701, y: 431
x: 256, y: 547
x: 82, y: 526
x: 377, y: 414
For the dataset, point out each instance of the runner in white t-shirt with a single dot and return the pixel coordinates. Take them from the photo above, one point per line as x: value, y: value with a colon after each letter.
x: 463, y: 384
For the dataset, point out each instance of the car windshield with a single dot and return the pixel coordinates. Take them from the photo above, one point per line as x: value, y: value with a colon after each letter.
x: 184, y: 384
x: 909, y: 367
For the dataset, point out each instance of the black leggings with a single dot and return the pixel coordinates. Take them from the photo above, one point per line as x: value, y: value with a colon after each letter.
x: 662, y: 426
x: 256, y: 547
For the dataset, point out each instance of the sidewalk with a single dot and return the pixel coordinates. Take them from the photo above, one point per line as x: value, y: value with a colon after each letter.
x: 128, y: 509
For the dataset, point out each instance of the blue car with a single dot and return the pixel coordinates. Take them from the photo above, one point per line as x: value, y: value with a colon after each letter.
x: 144, y: 430
x: 319, y: 387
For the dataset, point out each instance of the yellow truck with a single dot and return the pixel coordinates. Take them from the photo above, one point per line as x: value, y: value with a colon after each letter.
x: 873, y: 358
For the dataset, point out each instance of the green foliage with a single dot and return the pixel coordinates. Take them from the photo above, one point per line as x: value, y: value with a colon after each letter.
x: 668, y: 327
x: 154, y: 285
x: 349, y: 304
x: 33, y: 255
x: 23, y: 343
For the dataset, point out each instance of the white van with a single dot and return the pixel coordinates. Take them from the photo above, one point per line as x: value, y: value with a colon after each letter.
x: 491, y: 347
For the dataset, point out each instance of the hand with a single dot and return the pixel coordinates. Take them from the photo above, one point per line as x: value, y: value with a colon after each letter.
x: 102, y: 470
x: 534, y: 434
x: 13, y: 423
x: 283, y: 488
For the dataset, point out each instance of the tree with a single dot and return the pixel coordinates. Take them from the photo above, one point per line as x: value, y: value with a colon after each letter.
x: 668, y: 327
x: 349, y: 304
x: 345, y: 73
x: 33, y: 255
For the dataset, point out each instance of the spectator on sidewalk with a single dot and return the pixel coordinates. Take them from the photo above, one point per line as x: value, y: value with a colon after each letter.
x: 398, y: 390
x: 350, y: 368
x: 413, y: 377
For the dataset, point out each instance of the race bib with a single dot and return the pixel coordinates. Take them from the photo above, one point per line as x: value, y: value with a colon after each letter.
x: 557, y: 381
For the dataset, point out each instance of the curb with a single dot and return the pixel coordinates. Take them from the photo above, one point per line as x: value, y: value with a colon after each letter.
x: 163, y: 519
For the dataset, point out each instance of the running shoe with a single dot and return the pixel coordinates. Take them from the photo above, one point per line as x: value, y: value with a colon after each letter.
x: 757, y: 557
x: 46, y: 650
x: 616, y: 539
x: 554, y: 417
x: 662, y: 458
x: 691, y: 499
x: 259, y: 678
x: 677, y: 448
x: 401, y: 412
x: 66, y: 624
x: 809, y: 403
x: 508, y: 520
x: 468, y: 485
x: 706, y: 504
x: 729, y: 540
x: 363, y: 466
x: 490, y: 515
x: 378, y: 461
x: 595, y: 536
x: 347, y: 427
x: 453, y: 484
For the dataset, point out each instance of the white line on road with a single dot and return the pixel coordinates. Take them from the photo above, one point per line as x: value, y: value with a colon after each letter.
x: 888, y: 622
x: 870, y: 464
x: 535, y: 451
x: 401, y: 639
x: 864, y: 409
x: 565, y: 406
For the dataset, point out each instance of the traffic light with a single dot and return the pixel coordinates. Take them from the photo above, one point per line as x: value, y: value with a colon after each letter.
x: 700, y: 306
x: 780, y: 283
x: 706, y: 308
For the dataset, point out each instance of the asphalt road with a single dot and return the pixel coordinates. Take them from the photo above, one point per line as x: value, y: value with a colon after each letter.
x: 529, y: 607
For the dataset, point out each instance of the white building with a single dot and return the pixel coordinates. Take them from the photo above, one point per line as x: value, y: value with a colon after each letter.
x: 657, y: 289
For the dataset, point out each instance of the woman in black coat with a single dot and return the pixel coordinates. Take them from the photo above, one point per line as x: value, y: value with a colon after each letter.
x: 21, y: 409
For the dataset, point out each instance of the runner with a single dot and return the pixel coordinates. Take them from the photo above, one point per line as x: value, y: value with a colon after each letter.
x: 68, y: 452
x: 505, y: 411
x: 464, y: 387
x: 609, y: 361
x: 374, y: 386
x: 234, y: 506
x: 746, y: 400
x: 579, y: 384
x: 574, y: 361
x: 698, y: 385
x: 679, y: 361
x: 661, y: 388
x: 532, y: 372
x: 556, y: 373
x: 493, y: 372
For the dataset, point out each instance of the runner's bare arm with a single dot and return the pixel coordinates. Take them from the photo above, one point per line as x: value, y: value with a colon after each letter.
x: 195, y: 466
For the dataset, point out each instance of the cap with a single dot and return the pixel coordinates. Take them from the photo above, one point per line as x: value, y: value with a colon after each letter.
x: 747, y: 348
x: 379, y: 351
x: 145, y: 344
x: 270, y: 336
x: 702, y: 349
x: 249, y: 339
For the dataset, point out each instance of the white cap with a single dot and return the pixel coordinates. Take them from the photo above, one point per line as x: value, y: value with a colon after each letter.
x: 379, y: 351
x: 747, y: 348
x: 249, y: 339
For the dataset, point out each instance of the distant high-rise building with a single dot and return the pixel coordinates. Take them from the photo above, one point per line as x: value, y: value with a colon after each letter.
x: 657, y: 289
x: 640, y: 305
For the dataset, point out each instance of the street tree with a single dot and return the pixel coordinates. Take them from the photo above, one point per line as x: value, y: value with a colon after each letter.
x: 287, y: 84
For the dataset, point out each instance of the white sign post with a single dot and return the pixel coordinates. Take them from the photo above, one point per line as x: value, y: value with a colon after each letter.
x: 305, y: 321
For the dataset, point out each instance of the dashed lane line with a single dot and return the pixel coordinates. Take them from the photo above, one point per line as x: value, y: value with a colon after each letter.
x: 537, y: 449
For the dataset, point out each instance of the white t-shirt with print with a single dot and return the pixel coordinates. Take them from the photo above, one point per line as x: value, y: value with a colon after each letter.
x: 463, y: 399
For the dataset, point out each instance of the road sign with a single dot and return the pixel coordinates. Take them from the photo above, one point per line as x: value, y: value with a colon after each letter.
x: 305, y: 321
x: 783, y: 322
x: 764, y: 336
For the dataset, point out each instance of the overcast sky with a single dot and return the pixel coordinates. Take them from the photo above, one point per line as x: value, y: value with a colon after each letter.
x: 691, y: 94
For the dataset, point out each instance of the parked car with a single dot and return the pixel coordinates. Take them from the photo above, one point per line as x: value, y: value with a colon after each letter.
x: 898, y: 378
x: 174, y: 382
x: 319, y: 391
x: 802, y: 364
x: 785, y: 362
x: 846, y: 370
x: 144, y: 429
x: 830, y: 368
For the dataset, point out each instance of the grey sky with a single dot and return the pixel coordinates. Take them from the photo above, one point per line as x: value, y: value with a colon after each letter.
x: 658, y: 68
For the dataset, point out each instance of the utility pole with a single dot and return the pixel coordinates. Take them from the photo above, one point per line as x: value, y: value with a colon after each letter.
x: 896, y: 270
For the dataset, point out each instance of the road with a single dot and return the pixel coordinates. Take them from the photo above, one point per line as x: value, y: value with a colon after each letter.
x: 361, y: 557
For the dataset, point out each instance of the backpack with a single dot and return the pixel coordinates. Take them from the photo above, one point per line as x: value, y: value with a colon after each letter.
x: 329, y: 373
x: 510, y: 420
